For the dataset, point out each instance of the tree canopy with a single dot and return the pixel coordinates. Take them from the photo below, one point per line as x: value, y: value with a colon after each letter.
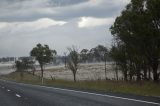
x: 137, y: 30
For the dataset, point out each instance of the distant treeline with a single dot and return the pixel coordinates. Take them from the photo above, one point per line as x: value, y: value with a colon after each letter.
x: 7, y: 59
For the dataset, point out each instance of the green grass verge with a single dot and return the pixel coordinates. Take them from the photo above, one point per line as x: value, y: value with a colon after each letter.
x: 141, y: 88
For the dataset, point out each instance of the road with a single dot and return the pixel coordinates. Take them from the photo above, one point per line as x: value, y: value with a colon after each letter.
x: 18, y: 94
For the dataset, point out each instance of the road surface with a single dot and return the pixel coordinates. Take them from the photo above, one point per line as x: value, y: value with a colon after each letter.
x: 18, y: 94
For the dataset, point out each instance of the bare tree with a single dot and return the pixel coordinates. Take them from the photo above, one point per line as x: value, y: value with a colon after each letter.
x: 73, y: 61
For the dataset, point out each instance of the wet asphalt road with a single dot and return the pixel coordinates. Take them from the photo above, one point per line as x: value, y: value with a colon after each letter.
x: 17, y: 94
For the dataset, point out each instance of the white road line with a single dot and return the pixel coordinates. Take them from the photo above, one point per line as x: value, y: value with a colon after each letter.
x: 8, y: 90
x: 104, y: 95
x: 117, y: 97
x: 18, y: 95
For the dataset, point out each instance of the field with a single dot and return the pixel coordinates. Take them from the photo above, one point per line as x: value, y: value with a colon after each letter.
x: 89, y: 77
x: 6, y: 68
x: 90, y: 71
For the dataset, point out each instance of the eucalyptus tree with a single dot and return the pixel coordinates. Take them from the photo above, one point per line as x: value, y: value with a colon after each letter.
x: 102, y: 52
x: 84, y: 55
x: 138, y: 27
x: 23, y: 64
x: 119, y: 55
x: 43, y: 54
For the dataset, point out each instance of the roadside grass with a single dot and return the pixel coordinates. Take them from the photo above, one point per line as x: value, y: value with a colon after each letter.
x: 138, y: 88
x: 27, y: 77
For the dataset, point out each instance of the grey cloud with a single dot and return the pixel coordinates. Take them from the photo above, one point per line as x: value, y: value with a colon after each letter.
x: 106, y: 9
x: 20, y: 42
x: 58, y: 9
x: 42, y: 3
x: 57, y: 37
x: 27, y: 10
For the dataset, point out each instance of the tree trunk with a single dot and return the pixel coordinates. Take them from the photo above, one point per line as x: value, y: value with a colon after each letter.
x: 116, y: 74
x: 149, y: 73
x: 105, y: 70
x: 125, y: 75
x: 65, y: 61
x: 145, y: 73
x: 138, y: 76
x: 155, y: 73
x: 138, y: 72
x: 41, y: 74
x: 34, y: 69
x: 116, y: 71
x: 130, y: 75
x: 74, y: 75
x: 33, y: 72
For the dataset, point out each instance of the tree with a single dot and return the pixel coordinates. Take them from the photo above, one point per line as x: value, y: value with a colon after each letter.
x: 23, y: 64
x: 27, y: 62
x: 138, y: 27
x: 84, y: 55
x: 20, y: 68
x: 102, y: 52
x: 43, y: 54
x: 118, y: 54
x: 73, y: 61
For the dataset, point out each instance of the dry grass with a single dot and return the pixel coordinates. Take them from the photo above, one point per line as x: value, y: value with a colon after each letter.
x: 90, y: 71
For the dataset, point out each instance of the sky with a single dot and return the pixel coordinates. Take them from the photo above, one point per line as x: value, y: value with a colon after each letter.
x: 57, y: 23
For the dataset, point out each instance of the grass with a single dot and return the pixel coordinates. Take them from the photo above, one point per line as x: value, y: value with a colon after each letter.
x: 141, y: 88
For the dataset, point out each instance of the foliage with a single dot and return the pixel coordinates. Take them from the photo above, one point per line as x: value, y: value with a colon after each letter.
x: 137, y: 30
x: 24, y: 64
x: 96, y: 54
x: 43, y: 54
x: 84, y: 55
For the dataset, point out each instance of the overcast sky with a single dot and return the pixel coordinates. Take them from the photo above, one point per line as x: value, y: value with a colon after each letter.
x: 57, y: 23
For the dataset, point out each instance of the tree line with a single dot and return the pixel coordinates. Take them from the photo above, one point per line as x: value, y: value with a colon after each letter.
x: 44, y: 55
